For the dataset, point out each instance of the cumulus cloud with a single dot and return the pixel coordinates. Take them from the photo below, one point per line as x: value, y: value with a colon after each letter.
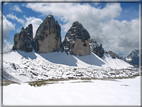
x: 16, y: 8
x: 71, y: 12
x: 7, y: 46
x: 15, y: 18
x: 120, y: 36
x: 34, y: 21
x: 7, y: 26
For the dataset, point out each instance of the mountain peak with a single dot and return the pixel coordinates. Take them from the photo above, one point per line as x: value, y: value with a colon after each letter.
x: 48, y: 36
x: 77, y: 40
x: 50, y: 17
x: 23, y: 40
x: 133, y: 57
x: 77, y: 24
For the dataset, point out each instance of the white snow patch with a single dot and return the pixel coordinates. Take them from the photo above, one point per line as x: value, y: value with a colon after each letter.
x: 115, y: 63
x: 97, y: 92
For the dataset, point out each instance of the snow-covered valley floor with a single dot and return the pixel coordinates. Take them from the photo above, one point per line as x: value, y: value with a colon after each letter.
x: 75, y: 92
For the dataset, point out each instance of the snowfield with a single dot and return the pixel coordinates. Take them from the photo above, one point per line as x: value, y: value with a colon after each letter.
x: 19, y: 66
x: 75, y: 92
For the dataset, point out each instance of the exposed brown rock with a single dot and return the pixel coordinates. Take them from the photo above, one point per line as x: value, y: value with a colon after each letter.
x: 48, y: 36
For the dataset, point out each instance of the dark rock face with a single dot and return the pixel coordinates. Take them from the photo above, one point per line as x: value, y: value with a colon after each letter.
x: 112, y: 54
x: 77, y: 40
x: 24, y: 40
x: 97, y: 49
x: 48, y: 36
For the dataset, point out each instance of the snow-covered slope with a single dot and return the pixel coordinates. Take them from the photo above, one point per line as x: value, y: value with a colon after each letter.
x: 115, y: 63
x: 19, y: 66
x: 64, y: 59
x: 56, y: 58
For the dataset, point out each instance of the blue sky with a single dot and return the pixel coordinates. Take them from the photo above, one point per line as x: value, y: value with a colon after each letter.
x: 115, y: 25
x: 130, y: 11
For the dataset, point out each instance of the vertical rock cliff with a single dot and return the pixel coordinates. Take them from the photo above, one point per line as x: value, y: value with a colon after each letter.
x: 24, y: 40
x: 97, y: 49
x: 48, y: 36
x: 77, y: 40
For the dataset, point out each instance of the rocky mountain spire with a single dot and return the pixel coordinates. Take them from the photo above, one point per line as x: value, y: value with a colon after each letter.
x: 48, y: 36
x: 23, y: 40
x: 77, y: 40
x: 97, y: 49
x: 112, y: 54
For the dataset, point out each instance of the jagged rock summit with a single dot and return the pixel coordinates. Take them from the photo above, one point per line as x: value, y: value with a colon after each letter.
x: 48, y: 36
x: 97, y: 49
x: 112, y: 54
x: 134, y: 56
x: 24, y: 40
x: 77, y: 40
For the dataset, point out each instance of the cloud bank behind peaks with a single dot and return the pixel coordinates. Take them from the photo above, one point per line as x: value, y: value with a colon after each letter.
x: 7, y: 27
x: 84, y: 13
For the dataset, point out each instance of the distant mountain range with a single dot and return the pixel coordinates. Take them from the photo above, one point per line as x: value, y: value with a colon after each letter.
x: 133, y: 57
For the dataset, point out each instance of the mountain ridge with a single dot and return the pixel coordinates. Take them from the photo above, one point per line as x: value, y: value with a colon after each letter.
x: 134, y: 57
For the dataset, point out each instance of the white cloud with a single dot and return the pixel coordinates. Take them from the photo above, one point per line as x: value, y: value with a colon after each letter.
x: 121, y: 37
x: 7, y: 46
x: 15, y: 18
x: 7, y: 26
x: 16, y: 8
x: 34, y: 21
x: 71, y: 12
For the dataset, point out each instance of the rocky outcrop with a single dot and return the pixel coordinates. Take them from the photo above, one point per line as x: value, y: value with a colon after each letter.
x: 97, y: 49
x: 77, y: 40
x: 113, y: 55
x: 48, y: 36
x: 24, y: 40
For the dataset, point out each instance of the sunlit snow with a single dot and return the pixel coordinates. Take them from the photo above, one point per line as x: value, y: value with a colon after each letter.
x: 75, y: 92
